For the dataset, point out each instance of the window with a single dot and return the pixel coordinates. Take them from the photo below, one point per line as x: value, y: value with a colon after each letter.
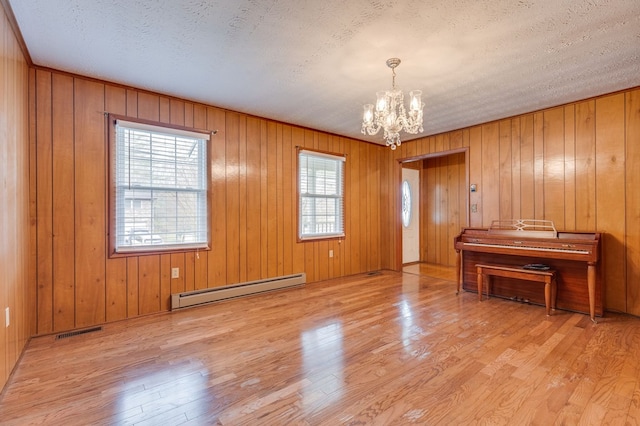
x: 321, y: 195
x: 159, y: 197
x: 406, y: 204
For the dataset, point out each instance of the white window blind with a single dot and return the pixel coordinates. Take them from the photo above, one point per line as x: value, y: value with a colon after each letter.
x: 321, y: 188
x: 160, y: 188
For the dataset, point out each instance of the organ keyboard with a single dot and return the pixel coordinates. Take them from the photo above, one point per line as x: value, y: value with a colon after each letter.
x: 575, y: 256
x: 521, y: 247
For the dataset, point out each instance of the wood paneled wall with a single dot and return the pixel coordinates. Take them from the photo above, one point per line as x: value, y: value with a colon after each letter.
x: 15, y: 288
x: 444, y: 212
x: 253, y: 221
x: 575, y: 164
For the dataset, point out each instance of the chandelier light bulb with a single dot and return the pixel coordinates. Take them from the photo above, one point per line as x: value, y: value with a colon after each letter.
x: 390, y: 113
x: 367, y: 116
x: 416, y: 103
x: 382, y: 103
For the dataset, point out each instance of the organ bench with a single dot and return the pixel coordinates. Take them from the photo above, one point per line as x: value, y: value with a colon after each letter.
x: 548, y: 277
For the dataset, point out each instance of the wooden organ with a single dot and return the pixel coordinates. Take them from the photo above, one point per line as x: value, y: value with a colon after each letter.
x: 575, y: 256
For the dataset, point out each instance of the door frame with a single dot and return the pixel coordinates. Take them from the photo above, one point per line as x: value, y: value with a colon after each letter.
x: 398, y: 184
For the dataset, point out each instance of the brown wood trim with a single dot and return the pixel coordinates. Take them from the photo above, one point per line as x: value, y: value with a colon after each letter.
x: 113, y: 117
x: 463, y: 150
x: 16, y: 31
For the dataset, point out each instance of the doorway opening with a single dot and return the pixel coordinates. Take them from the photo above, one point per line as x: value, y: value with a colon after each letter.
x: 438, y: 201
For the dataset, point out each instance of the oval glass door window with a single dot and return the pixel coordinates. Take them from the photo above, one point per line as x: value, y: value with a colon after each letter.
x: 406, y: 204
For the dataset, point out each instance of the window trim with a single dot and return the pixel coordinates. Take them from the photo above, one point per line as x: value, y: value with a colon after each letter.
x: 112, y: 120
x: 333, y: 155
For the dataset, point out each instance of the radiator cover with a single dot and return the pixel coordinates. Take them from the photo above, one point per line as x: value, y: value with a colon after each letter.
x: 199, y: 297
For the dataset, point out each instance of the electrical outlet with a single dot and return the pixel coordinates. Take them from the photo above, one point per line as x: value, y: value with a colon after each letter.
x: 6, y: 316
x: 330, y: 253
x: 175, y: 272
x: 474, y: 208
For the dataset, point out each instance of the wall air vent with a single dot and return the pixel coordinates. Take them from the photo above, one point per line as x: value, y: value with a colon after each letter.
x: 77, y: 332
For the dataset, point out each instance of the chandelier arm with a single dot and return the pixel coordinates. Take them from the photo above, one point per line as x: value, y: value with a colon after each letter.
x: 371, y: 129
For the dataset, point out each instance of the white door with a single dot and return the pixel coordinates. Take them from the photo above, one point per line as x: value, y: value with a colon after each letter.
x: 410, y: 215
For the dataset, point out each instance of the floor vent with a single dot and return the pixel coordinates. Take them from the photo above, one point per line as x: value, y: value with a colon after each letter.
x: 77, y: 332
x: 199, y: 297
x: 373, y: 273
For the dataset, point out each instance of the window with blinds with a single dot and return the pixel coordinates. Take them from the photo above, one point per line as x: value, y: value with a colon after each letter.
x: 321, y: 192
x: 160, y: 188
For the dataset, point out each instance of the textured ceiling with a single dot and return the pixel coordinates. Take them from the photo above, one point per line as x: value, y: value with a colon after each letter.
x: 315, y: 63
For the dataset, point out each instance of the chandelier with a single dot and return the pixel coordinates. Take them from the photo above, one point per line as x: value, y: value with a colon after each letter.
x: 390, y: 114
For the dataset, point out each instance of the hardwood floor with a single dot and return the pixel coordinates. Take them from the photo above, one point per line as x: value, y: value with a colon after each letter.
x: 392, y: 348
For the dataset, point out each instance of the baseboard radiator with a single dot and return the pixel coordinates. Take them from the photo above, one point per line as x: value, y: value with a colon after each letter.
x: 199, y: 297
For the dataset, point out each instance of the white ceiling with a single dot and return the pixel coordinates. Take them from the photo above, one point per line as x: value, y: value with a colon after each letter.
x: 315, y: 63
